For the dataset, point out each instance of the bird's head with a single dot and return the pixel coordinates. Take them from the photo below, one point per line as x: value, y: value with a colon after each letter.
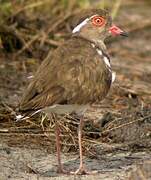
x: 97, y: 27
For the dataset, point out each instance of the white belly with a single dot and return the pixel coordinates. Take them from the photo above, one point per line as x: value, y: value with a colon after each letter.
x: 66, y: 109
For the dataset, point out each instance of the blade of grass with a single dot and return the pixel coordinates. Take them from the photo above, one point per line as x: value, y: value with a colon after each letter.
x: 115, y: 8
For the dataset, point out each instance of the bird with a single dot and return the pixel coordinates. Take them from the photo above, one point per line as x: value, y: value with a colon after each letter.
x: 77, y: 74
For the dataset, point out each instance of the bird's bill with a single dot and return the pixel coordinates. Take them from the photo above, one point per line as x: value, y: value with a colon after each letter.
x: 114, y: 30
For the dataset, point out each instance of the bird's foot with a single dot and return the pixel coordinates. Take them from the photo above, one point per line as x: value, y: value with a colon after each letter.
x: 83, y: 171
x: 61, y: 170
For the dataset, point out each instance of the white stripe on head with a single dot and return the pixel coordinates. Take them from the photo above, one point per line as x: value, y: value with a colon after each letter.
x: 78, y: 27
x: 83, y: 23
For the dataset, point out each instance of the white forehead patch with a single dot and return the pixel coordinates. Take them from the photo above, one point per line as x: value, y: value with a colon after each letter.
x: 78, y: 27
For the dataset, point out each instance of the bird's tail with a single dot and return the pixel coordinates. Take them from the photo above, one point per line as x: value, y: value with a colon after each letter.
x: 23, y: 115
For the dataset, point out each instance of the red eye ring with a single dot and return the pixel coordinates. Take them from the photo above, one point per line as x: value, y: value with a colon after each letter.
x: 98, y: 21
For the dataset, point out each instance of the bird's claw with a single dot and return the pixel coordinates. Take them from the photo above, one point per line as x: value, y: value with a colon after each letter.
x: 60, y: 170
x: 81, y: 171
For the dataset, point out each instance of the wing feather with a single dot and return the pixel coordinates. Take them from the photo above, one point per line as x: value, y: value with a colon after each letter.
x: 71, y: 75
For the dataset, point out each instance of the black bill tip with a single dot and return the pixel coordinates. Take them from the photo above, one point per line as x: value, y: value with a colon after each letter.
x: 125, y: 34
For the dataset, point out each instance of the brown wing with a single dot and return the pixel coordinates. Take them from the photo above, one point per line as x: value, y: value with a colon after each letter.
x: 74, y: 74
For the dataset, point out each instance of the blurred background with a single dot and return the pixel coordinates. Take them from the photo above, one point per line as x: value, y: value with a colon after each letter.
x: 29, y: 32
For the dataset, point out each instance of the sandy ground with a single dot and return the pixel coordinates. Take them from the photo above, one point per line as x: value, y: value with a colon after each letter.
x: 23, y: 163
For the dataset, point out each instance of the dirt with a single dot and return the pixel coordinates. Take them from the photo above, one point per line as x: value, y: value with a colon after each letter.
x: 31, y: 163
x: 120, y: 148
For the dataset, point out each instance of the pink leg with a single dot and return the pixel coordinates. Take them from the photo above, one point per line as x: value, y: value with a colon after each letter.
x: 81, y: 169
x: 57, y: 132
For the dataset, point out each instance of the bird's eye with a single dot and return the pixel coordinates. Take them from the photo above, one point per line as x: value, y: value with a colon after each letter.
x: 98, y: 21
